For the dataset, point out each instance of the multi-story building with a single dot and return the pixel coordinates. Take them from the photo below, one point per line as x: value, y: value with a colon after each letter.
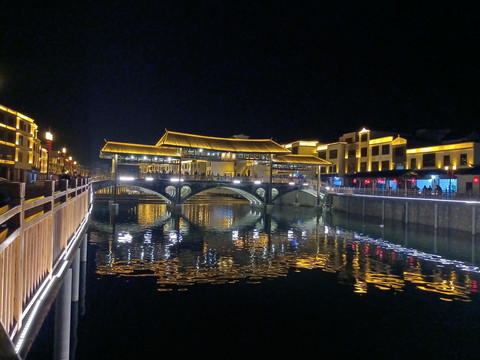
x: 360, y: 152
x: 366, y: 158
x: 20, y: 148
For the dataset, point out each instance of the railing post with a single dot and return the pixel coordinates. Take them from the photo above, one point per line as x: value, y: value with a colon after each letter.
x: 17, y: 193
x: 49, y: 192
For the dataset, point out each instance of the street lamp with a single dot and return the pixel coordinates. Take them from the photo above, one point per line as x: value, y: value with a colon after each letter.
x: 64, y: 151
x: 49, y: 137
x: 450, y: 171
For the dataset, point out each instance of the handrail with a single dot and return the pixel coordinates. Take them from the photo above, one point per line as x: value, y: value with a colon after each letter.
x: 39, y: 231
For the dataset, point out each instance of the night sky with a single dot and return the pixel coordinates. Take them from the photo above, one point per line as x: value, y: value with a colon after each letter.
x: 287, y: 70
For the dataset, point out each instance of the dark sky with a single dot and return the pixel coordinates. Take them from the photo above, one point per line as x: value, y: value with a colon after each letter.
x: 287, y: 70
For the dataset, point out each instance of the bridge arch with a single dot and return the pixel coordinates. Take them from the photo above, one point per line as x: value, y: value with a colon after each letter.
x: 110, y: 185
x: 179, y: 192
x: 250, y: 197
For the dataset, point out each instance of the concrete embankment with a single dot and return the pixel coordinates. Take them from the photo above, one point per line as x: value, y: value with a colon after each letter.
x: 445, y: 214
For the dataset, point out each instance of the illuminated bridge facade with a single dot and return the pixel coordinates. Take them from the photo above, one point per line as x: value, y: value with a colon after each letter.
x: 266, y: 169
x: 175, y: 191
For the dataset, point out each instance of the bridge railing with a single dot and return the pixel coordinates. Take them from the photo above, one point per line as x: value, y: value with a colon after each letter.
x: 412, y: 193
x: 34, y: 232
x: 223, y: 178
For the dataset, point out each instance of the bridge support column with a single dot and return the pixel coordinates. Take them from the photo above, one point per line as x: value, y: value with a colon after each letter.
x: 114, y: 173
x: 174, y: 208
x: 61, y: 346
x: 268, y: 195
x: 296, y: 203
x: 83, y: 273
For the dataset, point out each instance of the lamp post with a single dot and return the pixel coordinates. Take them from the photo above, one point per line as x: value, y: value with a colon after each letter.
x: 64, y: 151
x: 450, y: 170
x: 49, y: 137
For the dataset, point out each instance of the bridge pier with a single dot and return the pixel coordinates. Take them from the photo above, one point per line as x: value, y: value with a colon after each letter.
x: 61, y: 347
x: 174, y: 208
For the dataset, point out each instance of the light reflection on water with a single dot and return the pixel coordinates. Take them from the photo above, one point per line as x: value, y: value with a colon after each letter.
x: 223, y: 243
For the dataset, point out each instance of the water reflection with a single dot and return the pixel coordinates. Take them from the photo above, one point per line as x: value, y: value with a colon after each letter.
x: 228, y: 243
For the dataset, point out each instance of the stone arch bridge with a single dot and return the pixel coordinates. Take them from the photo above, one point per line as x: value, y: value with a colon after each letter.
x: 179, y: 191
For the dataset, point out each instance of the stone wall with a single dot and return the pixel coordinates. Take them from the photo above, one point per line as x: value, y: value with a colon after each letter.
x: 457, y: 215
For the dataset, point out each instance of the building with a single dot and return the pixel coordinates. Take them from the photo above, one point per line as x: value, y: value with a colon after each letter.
x: 205, y: 156
x: 20, y: 148
x: 361, y: 152
x: 375, y: 159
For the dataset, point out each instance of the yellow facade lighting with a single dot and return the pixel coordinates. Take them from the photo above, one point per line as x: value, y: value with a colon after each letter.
x: 363, y: 131
x: 461, y: 146
x: 322, y: 147
x: 381, y: 140
x: 307, y: 143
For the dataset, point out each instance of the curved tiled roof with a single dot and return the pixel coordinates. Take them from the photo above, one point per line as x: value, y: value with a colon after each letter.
x: 112, y: 147
x: 175, y: 139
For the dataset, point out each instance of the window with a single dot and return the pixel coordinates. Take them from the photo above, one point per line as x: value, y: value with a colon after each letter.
x: 385, y: 165
x: 446, y: 160
x: 333, y: 168
x: 374, y: 165
x: 20, y: 157
x: 20, y: 140
x: 364, y: 138
x: 413, y: 163
x: 463, y: 160
x: 352, y: 154
x: 375, y: 150
x: 399, y: 152
x: 351, y: 168
x: 385, y: 149
x: 349, y: 141
x: 428, y: 160
x: 332, y: 154
x: 322, y: 154
x: 363, y: 166
x: 363, y: 152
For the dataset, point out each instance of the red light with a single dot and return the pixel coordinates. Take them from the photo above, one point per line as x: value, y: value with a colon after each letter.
x: 367, y: 181
x: 394, y: 181
x: 354, y: 181
x: 413, y: 181
x: 475, y: 179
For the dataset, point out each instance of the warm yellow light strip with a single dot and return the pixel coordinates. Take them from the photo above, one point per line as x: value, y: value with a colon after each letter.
x: 322, y: 147
x: 7, y: 162
x: 15, y: 113
x: 461, y: 146
x: 308, y: 143
x: 381, y: 140
x: 8, y: 127
x: 7, y: 143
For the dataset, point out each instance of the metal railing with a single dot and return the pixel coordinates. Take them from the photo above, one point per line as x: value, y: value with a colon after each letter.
x: 412, y: 193
x: 36, y: 226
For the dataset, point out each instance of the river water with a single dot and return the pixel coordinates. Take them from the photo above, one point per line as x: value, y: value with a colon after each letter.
x: 221, y: 279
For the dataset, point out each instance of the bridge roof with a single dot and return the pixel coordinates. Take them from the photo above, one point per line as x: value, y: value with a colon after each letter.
x: 112, y: 147
x: 300, y: 159
x: 182, y: 140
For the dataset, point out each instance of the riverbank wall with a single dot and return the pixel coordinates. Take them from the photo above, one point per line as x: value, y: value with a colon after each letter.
x: 443, y: 214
